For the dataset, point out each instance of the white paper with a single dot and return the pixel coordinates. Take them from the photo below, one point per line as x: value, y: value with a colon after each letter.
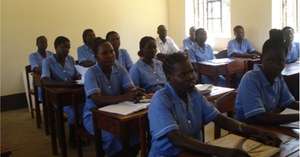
x: 125, y: 108
x: 82, y: 70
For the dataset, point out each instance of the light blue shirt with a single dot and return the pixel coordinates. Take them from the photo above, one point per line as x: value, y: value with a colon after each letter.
x: 235, y: 47
x: 256, y: 95
x: 188, y: 43
x: 35, y: 59
x: 198, y: 54
x: 147, y: 77
x: 97, y: 82
x: 85, y: 53
x: 124, y: 59
x: 167, y: 112
x: 293, y: 54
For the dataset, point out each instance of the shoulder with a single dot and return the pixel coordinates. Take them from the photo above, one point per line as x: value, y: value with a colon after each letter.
x: 251, y: 77
x: 169, y: 39
x: 81, y: 48
x: 159, y: 99
x: 70, y: 58
x: 231, y: 41
x: 33, y: 54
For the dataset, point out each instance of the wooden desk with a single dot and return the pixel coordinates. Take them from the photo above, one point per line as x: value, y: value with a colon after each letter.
x: 124, y: 127
x: 37, y: 84
x: 56, y: 98
x: 5, y: 151
x: 291, y: 76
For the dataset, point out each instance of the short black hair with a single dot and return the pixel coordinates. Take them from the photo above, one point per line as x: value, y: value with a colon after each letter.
x: 287, y: 28
x: 171, y: 60
x: 144, y: 41
x: 97, y: 41
x: 275, y: 44
x: 200, y: 30
x: 85, y: 32
x: 39, y: 38
x: 60, y: 40
x: 108, y: 34
x: 237, y: 27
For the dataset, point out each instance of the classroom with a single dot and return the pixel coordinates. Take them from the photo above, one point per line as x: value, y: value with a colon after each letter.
x: 159, y: 78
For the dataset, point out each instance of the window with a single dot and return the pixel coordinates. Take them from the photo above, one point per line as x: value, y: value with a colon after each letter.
x: 212, y: 15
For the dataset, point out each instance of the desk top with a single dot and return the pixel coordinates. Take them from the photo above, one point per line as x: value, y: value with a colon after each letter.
x: 291, y: 69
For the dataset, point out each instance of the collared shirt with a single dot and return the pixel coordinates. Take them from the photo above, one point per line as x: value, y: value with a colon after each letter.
x: 35, y: 59
x: 257, y: 95
x: 147, y: 77
x: 198, y: 54
x: 168, y: 47
x: 167, y: 112
x: 85, y: 53
x: 124, y: 59
x: 188, y: 43
x: 242, y: 48
x: 293, y: 54
x: 52, y: 69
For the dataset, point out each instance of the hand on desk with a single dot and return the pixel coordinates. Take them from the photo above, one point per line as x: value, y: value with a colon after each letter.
x: 134, y: 94
x: 234, y: 152
x: 267, y: 138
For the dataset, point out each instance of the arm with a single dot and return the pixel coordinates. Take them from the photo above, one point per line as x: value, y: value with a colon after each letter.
x: 294, y: 105
x: 86, y: 63
x: 270, y: 118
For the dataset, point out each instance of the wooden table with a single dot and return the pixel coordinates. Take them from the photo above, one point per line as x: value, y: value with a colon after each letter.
x: 5, y: 151
x: 133, y: 124
x: 291, y: 76
x: 56, y: 98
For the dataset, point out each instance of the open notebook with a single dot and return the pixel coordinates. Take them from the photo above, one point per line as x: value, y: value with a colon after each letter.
x: 253, y: 148
x: 125, y: 108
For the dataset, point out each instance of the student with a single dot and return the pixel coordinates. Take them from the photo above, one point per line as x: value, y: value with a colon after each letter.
x: 59, y: 69
x: 293, y: 47
x: 201, y: 51
x: 191, y: 40
x: 165, y: 43
x: 147, y: 72
x: 122, y: 55
x: 240, y: 46
x: 179, y: 111
x: 263, y: 93
x: 85, y: 53
x: 36, y: 58
x: 108, y: 83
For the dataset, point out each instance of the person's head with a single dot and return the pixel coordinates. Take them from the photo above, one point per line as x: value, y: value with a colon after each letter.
x: 273, y: 55
x: 239, y: 32
x: 88, y: 36
x: 201, y: 36
x: 179, y: 72
x: 62, y: 46
x: 162, y: 31
x: 288, y: 34
x: 147, y: 47
x: 41, y: 43
x: 105, y: 53
x: 96, y: 43
x: 114, y: 38
x: 192, y: 33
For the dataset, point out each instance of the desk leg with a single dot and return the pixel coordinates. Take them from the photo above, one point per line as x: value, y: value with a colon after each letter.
x: 143, y: 136
x: 125, y: 139
x: 53, y: 129
x: 45, y: 111
x: 77, y: 126
x: 37, y: 108
x: 61, y: 129
x: 98, y: 138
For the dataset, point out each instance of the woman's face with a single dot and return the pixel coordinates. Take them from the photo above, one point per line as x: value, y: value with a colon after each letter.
x: 149, y: 50
x: 105, y: 54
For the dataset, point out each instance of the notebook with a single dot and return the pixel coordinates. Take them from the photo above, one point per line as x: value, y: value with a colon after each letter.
x: 125, y: 108
x: 253, y: 148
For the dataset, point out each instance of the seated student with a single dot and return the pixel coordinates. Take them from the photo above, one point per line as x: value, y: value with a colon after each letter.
x: 108, y: 83
x: 165, y: 43
x: 122, y: 55
x: 263, y: 93
x: 147, y: 72
x: 59, y: 69
x: 85, y: 54
x: 240, y: 46
x: 191, y: 40
x: 179, y: 111
x: 201, y: 51
x: 293, y: 47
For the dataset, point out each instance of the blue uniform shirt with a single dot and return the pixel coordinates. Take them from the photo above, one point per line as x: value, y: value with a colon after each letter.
x: 85, y: 53
x: 168, y: 112
x: 96, y: 82
x: 235, y: 46
x: 198, y: 54
x: 188, y: 43
x: 147, y: 77
x: 293, y: 54
x: 256, y: 95
x: 124, y: 59
x: 35, y: 59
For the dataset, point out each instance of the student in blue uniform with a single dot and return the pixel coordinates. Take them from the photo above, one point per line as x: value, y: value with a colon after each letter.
x: 106, y: 83
x: 263, y: 93
x: 191, y: 40
x: 59, y: 69
x: 122, y: 55
x: 178, y: 111
x: 201, y: 51
x: 293, y: 47
x: 147, y: 72
x: 85, y: 54
x: 240, y: 46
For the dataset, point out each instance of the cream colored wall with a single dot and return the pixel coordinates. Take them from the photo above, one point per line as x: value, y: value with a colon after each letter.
x: 23, y: 20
